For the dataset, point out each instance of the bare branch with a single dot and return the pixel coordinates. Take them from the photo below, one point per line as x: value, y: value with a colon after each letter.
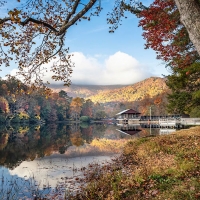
x: 73, y: 11
x: 38, y: 22
x: 77, y: 17
x: 4, y: 20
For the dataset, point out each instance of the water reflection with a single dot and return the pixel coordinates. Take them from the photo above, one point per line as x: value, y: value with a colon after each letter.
x: 143, y: 130
x: 37, y: 158
x: 20, y: 143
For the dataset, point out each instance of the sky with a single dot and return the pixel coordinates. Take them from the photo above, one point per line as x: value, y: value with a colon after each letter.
x: 103, y: 58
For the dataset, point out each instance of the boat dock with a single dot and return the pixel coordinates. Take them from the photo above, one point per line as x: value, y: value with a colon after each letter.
x: 180, y: 121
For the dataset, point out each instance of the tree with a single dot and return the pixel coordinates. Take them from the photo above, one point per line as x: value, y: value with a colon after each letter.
x: 87, y: 109
x: 4, y: 106
x: 185, y: 93
x: 100, y: 114
x: 76, y: 107
x: 34, y: 33
x: 190, y: 15
x: 165, y: 34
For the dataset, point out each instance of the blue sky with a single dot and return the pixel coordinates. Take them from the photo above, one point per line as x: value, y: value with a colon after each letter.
x: 104, y: 58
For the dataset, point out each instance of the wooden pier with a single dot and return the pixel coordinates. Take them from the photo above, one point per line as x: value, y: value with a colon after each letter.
x: 178, y: 122
x: 190, y: 121
x: 169, y: 122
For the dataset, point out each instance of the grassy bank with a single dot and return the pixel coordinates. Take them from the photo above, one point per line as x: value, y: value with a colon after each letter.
x: 163, y: 167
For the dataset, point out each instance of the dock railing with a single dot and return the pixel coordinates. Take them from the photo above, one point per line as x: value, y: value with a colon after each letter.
x: 168, y: 121
x: 190, y: 121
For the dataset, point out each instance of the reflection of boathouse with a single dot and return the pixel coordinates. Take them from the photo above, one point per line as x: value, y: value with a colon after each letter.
x: 130, y: 130
x: 128, y: 116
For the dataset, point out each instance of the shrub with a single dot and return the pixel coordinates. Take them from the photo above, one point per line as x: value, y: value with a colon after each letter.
x: 2, y: 119
x: 15, y: 119
x: 195, y: 112
x: 84, y: 119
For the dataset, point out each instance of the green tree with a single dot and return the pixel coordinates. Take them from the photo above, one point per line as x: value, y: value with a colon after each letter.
x: 100, y: 114
x: 195, y: 112
x: 185, y: 92
x: 87, y: 108
x: 165, y: 34
x: 84, y: 119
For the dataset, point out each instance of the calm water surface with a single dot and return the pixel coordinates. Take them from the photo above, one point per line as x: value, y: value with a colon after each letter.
x: 39, y: 161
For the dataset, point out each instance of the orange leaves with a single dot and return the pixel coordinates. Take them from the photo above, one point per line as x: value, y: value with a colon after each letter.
x: 157, y: 101
x: 14, y: 15
x: 39, y: 21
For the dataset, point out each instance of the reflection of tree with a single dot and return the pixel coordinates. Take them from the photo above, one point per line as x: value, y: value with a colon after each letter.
x: 3, y: 140
x: 87, y: 133
x: 42, y: 141
x: 36, y: 142
x: 76, y: 139
x: 62, y: 150
x: 99, y: 130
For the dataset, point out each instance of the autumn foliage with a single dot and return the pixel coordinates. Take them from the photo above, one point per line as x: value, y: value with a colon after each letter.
x: 165, y: 34
x: 4, y: 105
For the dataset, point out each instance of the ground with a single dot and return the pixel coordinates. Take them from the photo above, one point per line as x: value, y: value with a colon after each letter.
x: 162, y: 167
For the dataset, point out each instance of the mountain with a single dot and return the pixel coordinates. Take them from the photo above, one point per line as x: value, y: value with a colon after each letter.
x: 84, y: 91
x: 112, y: 93
x: 152, y: 86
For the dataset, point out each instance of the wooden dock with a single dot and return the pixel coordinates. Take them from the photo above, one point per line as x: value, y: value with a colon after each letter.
x: 190, y: 121
x: 177, y: 122
x: 169, y: 122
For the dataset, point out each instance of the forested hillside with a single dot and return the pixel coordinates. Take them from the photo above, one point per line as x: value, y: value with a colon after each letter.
x: 149, y: 87
x: 84, y: 91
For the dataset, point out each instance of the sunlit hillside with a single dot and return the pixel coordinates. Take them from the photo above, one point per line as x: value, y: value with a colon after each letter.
x: 84, y: 91
x: 152, y: 86
x: 118, y: 93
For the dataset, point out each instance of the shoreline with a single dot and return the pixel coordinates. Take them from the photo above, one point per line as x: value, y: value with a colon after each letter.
x: 163, y: 167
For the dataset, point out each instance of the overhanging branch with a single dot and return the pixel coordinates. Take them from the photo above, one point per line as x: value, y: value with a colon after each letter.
x: 77, y: 17
x: 38, y: 22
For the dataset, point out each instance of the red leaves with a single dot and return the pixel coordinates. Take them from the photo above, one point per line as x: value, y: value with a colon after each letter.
x: 165, y: 34
x: 187, y: 73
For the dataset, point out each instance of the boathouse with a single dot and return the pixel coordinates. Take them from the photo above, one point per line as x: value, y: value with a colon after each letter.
x: 128, y: 116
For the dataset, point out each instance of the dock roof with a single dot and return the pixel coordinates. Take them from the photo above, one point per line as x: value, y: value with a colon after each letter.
x: 128, y: 111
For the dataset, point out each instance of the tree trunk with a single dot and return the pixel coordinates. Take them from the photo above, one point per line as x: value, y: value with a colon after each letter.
x: 190, y: 17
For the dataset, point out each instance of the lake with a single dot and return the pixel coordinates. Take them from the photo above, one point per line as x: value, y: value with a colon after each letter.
x: 41, y: 161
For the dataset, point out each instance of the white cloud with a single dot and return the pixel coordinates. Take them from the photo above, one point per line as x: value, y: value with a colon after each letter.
x: 119, y: 68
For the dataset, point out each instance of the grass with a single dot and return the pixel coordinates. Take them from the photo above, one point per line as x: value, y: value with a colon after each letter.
x: 163, y: 167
